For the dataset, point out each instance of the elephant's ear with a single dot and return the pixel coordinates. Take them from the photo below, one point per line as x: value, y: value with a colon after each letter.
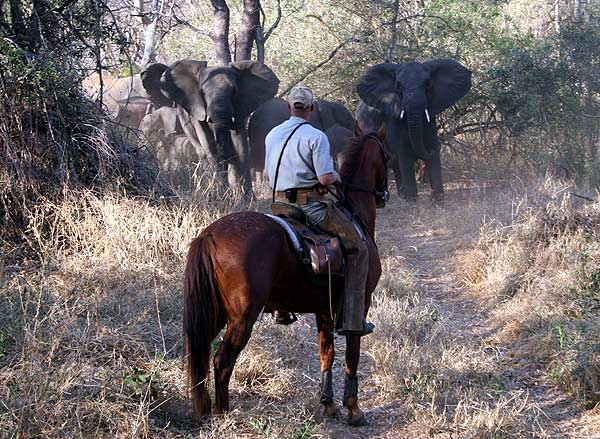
x: 182, y: 83
x: 450, y: 81
x: 256, y: 85
x: 377, y: 88
x: 151, y: 81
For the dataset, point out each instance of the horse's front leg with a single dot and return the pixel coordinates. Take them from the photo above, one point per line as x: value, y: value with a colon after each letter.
x: 356, y: 417
x: 326, y: 356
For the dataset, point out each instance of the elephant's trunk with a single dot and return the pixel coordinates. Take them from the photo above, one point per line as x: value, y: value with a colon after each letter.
x: 415, y: 105
x: 223, y: 142
x: 415, y: 134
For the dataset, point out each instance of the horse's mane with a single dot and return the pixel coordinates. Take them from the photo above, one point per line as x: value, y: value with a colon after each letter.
x: 352, y: 156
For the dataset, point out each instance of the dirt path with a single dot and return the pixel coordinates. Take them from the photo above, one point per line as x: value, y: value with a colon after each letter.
x: 434, y: 238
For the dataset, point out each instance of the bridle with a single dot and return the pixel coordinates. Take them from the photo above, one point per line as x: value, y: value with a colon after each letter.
x: 382, y: 194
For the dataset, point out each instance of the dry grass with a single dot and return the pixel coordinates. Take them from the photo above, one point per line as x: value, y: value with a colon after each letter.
x: 540, y: 272
x: 90, y: 332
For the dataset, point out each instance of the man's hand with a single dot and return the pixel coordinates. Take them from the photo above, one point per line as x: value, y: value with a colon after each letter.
x: 329, y: 178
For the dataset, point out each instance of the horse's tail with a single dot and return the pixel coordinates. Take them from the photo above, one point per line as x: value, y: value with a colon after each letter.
x: 200, y: 315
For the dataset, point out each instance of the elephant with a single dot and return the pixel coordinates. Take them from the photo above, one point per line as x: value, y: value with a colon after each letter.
x: 213, y: 105
x: 276, y: 111
x: 174, y: 151
x: 165, y: 119
x: 115, y: 90
x: 410, y: 95
x: 130, y: 112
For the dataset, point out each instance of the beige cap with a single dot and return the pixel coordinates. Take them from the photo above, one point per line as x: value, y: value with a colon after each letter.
x: 300, y: 95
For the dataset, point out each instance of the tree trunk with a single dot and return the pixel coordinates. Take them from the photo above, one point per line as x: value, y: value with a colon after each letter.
x: 138, y: 6
x: 3, y: 24
x: 557, y: 16
x: 42, y: 25
x: 580, y: 6
x: 392, y: 47
x: 220, y: 32
x: 262, y: 36
x: 248, y: 30
x: 150, y: 35
x: 591, y: 135
x: 16, y: 18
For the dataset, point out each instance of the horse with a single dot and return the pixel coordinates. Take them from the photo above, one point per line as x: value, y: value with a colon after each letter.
x: 244, y: 262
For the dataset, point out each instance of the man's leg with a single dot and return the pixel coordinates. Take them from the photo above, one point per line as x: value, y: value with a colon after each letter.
x: 357, y: 266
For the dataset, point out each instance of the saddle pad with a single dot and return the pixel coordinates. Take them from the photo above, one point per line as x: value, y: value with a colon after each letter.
x: 289, y: 230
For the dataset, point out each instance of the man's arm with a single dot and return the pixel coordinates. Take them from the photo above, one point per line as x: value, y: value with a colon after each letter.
x: 323, y: 162
x: 329, y: 178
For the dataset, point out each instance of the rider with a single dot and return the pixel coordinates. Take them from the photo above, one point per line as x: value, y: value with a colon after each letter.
x: 306, y: 166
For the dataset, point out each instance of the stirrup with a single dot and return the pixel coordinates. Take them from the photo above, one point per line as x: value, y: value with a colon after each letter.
x: 368, y: 328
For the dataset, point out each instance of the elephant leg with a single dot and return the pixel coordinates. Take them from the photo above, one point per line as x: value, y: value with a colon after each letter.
x: 433, y: 168
x: 195, y: 131
x: 240, y: 156
x: 395, y: 165
x: 207, y: 139
x: 326, y: 356
x: 356, y: 417
x: 409, y: 182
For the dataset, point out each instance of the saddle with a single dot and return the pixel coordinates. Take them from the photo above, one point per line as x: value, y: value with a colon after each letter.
x: 320, y: 253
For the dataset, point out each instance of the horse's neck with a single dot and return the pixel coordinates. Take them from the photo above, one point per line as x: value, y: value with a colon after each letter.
x: 363, y: 204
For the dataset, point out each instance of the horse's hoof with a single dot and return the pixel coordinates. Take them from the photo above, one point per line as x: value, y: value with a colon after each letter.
x: 357, y: 419
x: 331, y: 411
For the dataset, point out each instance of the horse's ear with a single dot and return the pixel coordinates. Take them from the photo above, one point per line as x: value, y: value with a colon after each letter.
x: 357, y: 130
x: 381, y: 132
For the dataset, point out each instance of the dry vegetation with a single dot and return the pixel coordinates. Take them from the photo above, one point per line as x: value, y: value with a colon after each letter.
x: 90, y: 340
x: 540, y: 275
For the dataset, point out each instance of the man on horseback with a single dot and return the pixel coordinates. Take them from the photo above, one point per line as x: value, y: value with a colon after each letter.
x: 300, y: 175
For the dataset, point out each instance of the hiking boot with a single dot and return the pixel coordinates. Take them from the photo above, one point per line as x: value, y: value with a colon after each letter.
x: 368, y: 327
x: 284, y: 318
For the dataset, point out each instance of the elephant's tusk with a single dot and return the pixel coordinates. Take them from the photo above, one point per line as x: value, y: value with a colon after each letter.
x: 402, y: 114
x: 233, y: 120
x: 427, y: 115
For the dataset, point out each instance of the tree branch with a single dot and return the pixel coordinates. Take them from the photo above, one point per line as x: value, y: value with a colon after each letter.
x: 190, y: 26
x: 316, y: 67
x: 268, y: 33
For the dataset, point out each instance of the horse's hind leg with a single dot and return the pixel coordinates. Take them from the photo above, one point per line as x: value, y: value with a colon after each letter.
x: 326, y: 356
x: 356, y: 416
x: 236, y: 338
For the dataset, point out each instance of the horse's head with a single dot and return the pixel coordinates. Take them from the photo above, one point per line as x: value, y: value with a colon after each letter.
x: 366, y: 159
x: 374, y: 148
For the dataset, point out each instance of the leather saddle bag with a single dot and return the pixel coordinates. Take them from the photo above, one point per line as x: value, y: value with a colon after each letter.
x: 320, y: 252
x: 324, y: 252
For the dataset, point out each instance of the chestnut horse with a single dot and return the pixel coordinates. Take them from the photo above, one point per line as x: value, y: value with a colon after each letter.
x: 244, y: 262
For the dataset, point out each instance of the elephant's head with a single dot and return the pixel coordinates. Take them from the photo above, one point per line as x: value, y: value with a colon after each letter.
x: 415, y: 91
x: 222, y: 96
